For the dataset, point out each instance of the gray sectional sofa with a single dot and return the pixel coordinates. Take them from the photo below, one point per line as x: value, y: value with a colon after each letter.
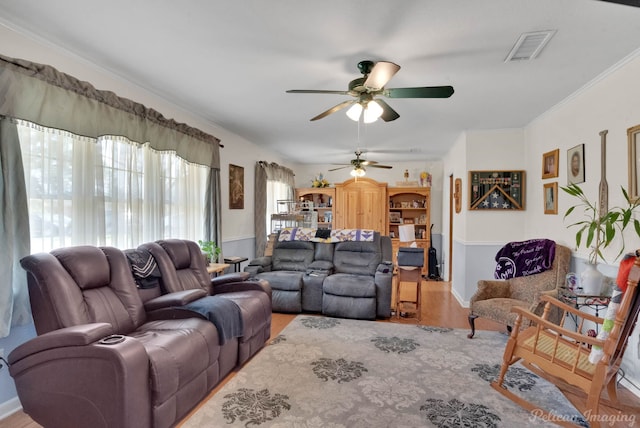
x: 347, y: 279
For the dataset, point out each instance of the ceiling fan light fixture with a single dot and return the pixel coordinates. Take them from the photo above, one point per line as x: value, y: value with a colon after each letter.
x: 354, y: 112
x: 372, y: 112
x: 358, y: 172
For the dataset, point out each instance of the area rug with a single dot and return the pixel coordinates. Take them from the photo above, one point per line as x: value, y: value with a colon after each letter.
x: 332, y: 373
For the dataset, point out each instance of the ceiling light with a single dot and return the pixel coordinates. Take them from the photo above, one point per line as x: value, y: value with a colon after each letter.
x: 354, y: 112
x: 529, y: 45
x: 358, y: 172
x: 372, y: 112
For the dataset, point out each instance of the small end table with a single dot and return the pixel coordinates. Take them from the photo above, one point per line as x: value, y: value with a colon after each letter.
x: 215, y: 269
x: 578, y: 300
x: 235, y: 261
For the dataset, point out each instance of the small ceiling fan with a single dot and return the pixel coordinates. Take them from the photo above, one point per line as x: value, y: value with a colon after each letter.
x: 358, y: 165
x: 368, y: 89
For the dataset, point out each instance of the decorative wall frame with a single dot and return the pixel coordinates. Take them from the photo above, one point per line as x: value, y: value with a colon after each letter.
x: 457, y: 194
x: 550, y: 191
x: 550, y: 163
x: 633, y: 138
x: 236, y: 187
x: 497, y: 190
x: 575, y: 165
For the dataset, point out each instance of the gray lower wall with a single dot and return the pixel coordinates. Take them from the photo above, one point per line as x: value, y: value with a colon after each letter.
x: 240, y: 248
x: 8, y: 395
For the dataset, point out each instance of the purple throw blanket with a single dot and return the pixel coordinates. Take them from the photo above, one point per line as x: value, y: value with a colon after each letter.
x: 524, y: 258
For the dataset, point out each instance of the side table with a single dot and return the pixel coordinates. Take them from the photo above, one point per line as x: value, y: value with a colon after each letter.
x: 235, y: 261
x: 215, y: 269
x: 578, y: 300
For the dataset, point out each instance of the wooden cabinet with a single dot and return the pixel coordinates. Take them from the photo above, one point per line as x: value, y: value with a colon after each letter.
x: 323, y: 203
x: 361, y: 204
x: 410, y: 205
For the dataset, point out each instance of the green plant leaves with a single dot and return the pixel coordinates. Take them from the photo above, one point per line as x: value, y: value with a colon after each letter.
x: 601, y: 229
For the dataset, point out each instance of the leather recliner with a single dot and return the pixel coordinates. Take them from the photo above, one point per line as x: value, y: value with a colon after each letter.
x: 98, y: 360
x: 360, y: 286
x: 183, y: 268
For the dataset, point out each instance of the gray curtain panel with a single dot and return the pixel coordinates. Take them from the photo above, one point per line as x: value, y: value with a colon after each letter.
x: 266, y: 171
x: 213, y: 211
x: 14, y: 231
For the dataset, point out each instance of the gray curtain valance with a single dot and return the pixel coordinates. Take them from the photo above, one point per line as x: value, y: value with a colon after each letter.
x: 43, y: 95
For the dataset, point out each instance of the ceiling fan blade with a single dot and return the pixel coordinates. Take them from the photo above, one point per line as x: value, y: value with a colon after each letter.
x: 381, y: 166
x: 423, y: 92
x: 334, y: 109
x: 341, y: 167
x: 380, y: 74
x: 388, y: 114
x: 316, y: 91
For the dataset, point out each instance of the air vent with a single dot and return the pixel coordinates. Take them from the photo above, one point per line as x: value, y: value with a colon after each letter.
x: 529, y: 45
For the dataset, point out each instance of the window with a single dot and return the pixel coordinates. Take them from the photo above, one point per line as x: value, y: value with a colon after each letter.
x: 107, y: 191
x: 276, y: 191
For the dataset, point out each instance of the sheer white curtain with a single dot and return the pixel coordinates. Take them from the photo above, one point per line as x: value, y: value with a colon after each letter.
x: 276, y: 191
x: 107, y: 191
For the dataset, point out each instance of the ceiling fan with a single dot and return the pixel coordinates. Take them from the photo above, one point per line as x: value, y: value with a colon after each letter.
x: 358, y: 165
x: 368, y: 89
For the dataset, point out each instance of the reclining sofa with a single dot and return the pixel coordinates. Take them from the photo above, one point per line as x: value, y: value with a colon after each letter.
x: 109, y: 354
x: 347, y: 274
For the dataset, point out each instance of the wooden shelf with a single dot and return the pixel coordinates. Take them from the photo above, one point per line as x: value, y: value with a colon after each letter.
x: 420, y: 217
x: 323, y: 199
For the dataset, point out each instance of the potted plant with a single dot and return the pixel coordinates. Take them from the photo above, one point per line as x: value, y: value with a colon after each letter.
x: 211, y: 250
x: 598, y: 230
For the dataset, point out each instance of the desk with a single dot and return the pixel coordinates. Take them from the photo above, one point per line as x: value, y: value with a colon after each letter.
x: 214, y: 269
x: 235, y: 261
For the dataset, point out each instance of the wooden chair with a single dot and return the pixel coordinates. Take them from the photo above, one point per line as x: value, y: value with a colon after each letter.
x: 561, y: 355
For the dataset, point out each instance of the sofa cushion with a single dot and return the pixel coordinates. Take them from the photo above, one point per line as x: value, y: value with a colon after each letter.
x: 283, y: 280
x: 360, y: 258
x: 341, y: 284
x: 179, y: 351
x: 292, y: 255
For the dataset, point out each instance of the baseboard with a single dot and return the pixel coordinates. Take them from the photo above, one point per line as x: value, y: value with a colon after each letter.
x: 9, y: 407
x: 631, y: 387
x: 461, y: 301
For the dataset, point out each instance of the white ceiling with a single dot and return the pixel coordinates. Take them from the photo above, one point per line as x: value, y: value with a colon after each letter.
x: 232, y: 61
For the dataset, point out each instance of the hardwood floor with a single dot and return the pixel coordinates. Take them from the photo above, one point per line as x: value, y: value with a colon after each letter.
x: 439, y: 308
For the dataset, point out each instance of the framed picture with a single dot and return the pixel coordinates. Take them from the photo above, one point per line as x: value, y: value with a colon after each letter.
x: 551, y: 198
x: 550, y: 164
x: 395, y: 217
x: 236, y: 187
x: 575, y: 164
x: 497, y: 190
x: 408, y: 221
x: 633, y: 137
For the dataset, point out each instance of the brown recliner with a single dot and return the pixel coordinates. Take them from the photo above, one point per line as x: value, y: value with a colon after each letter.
x: 97, y: 360
x: 183, y: 268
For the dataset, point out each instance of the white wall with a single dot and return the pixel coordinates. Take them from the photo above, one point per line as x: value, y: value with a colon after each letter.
x: 610, y: 103
x: 479, y: 234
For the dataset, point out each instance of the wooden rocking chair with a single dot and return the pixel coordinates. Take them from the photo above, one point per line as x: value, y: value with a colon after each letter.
x: 562, y: 356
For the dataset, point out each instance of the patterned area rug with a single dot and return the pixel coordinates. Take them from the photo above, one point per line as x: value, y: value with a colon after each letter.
x: 331, y: 373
